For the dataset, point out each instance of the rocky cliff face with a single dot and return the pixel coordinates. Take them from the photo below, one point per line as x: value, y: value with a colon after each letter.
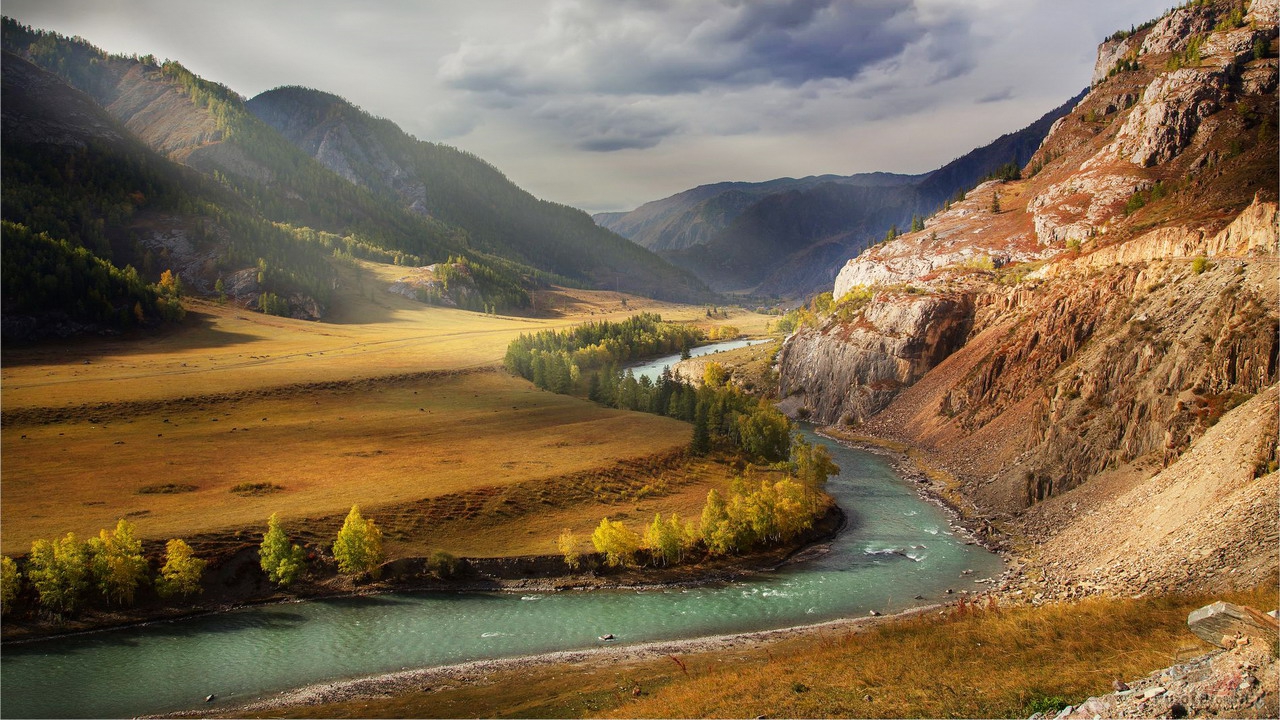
x: 847, y: 372
x: 1096, y: 320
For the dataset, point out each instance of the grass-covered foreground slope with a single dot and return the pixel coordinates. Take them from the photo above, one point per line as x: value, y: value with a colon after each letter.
x: 961, y: 662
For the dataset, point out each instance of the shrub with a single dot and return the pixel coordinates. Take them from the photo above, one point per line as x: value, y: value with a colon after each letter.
x: 443, y: 564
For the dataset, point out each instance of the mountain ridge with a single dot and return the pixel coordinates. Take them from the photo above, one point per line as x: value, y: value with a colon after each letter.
x: 761, y: 238
x: 265, y: 203
x: 455, y: 187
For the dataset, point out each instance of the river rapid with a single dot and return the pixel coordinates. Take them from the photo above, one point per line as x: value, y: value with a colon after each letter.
x: 896, y: 546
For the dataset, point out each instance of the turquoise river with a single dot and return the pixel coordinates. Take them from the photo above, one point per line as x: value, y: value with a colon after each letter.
x: 895, y: 546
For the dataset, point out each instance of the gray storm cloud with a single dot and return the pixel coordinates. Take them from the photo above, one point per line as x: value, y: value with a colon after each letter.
x: 596, y: 57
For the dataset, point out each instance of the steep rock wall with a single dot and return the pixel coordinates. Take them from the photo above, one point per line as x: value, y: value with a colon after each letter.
x: 848, y: 371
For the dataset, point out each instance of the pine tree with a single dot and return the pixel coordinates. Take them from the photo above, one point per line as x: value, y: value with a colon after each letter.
x: 701, y: 442
x: 995, y: 203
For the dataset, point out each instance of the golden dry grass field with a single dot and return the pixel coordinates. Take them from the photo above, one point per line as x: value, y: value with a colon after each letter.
x: 386, y: 404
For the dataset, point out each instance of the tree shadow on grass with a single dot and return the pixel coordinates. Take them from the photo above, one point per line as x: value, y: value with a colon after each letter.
x: 196, y: 332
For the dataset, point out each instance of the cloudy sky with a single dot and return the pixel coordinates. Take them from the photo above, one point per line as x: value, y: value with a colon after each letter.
x: 606, y: 104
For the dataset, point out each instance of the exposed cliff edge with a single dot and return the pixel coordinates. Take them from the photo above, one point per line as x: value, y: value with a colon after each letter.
x: 1081, y: 339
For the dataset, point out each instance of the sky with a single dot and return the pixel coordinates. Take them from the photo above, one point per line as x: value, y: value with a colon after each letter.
x: 607, y: 104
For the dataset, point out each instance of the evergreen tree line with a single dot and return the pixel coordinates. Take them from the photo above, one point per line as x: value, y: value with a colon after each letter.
x: 595, y: 345
x: 584, y: 361
x: 41, y: 274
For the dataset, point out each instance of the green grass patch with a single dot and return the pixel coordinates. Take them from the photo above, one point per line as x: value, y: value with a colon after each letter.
x: 166, y: 489
x: 256, y: 488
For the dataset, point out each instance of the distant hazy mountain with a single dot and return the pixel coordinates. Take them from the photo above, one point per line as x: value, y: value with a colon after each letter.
x: 781, y: 237
x: 695, y: 217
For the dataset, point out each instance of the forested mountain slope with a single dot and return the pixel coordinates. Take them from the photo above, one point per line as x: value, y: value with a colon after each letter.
x: 438, y: 181
x: 1061, y: 342
x: 94, y: 218
x: 187, y: 179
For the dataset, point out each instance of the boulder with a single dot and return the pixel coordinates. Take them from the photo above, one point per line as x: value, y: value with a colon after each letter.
x: 1217, y: 622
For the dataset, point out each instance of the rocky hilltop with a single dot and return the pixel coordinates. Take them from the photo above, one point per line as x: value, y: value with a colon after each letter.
x: 1089, y: 353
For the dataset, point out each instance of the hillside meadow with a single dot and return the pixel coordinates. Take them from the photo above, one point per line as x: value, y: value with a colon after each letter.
x: 208, y: 428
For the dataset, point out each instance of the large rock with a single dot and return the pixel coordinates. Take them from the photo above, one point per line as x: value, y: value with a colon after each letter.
x: 1167, y: 117
x: 1110, y: 53
x: 1221, y: 623
x: 1173, y: 31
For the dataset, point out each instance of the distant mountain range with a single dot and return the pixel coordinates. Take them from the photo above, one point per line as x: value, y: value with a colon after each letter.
x: 145, y: 165
x: 787, y: 237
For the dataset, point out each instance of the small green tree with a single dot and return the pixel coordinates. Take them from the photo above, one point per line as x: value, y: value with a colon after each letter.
x: 995, y: 203
x: 700, y: 444
x: 281, y: 562
x: 713, y: 527
x: 811, y: 464
x: 715, y: 375
x: 59, y: 571
x: 664, y: 539
x: 181, y: 573
x: 117, y: 562
x: 10, y: 581
x: 359, y: 545
x: 567, y: 544
x: 618, y: 543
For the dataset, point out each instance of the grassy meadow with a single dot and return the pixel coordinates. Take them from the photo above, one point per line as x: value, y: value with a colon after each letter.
x: 391, y: 404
